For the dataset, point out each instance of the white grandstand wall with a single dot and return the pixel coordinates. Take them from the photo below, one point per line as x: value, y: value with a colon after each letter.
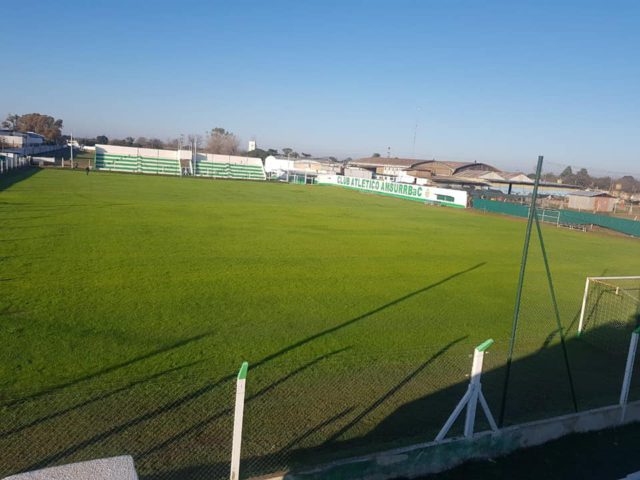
x: 232, y: 159
x: 143, y: 152
x: 228, y: 166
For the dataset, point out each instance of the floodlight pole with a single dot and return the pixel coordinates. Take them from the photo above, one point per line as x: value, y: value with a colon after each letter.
x: 523, y: 266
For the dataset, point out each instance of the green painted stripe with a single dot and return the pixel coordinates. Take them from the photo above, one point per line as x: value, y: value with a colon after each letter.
x: 242, y: 374
x: 484, y: 346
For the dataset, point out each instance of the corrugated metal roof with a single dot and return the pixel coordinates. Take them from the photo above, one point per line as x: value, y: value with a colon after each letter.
x: 386, y: 162
x: 583, y: 193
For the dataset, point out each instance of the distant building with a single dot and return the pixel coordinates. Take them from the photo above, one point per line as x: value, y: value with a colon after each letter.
x: 14, y: 139
x: 597, y: 202
x: 385, y: 167
x: 357, y: 172
x: 436, y: 168
x: 276, y: 166
x: 252, y: 146
x: 273, y: 164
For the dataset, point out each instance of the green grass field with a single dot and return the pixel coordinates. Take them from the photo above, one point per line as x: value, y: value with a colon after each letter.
x: 129, y: 302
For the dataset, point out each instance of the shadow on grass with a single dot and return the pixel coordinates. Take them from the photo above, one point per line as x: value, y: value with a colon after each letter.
x: 110, y: 369
x: 391, y: 392
x: 167, y: 408
x: 98, y: 398
x: 540, y: 390
x: 203, y: 424
x: 366, y: 315
x: 174, y: 404
x: 12, y: 177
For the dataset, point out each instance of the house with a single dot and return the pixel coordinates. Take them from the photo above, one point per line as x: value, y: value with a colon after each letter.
x: 596, y: 202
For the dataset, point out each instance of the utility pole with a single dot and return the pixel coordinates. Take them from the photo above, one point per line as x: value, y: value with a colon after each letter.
x: 71, y: 152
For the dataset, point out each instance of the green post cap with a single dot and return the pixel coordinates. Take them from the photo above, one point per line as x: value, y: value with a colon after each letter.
x: 242, y: 374
x: 483, y: 347
x: 637, y: 330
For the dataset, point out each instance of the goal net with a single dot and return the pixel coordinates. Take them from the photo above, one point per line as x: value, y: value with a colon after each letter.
x: 612, y: 302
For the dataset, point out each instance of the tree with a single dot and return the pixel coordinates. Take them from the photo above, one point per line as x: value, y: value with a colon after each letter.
x: 88, y: 142
x: 287, y: 151
x: 628, y: 184
x: 583, y: 178
x: 257, y: 153
x: 376, y: 155
x: 222, y: 142
x: 306, y: 155
x: 196, y: 139
x: 155, y: 143
x: 129, y: 141
x: 11, y: 122
x: 602, y: 183
x: 140, y: 142
x: 567, y: 172
x: 102, y: 139
x: 45, y: 125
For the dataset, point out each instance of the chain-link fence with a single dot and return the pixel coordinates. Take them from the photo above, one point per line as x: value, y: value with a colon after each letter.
x: 300, y: 412
x: 176, y: 423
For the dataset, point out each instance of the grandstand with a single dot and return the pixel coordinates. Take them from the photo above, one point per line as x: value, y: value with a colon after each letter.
x: 228, y: 166
x: 177, y: 162
x: 139, y: 160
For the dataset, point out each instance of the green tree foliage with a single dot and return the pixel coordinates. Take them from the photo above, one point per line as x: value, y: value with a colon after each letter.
x: 567, y: 172
x: 583, y: 179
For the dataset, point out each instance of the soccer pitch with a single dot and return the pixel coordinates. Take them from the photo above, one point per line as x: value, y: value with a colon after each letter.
x: 128, y: 303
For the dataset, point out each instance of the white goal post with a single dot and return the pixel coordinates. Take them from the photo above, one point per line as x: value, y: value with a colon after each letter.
x: 615, y: 285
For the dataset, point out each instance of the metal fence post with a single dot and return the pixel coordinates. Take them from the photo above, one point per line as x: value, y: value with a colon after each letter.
x: 471, y: 398
x: 237, y: 422
x: 628, y: 371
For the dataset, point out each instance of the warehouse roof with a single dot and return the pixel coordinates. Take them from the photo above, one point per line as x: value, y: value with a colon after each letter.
x: 386, y: 162
x: 583, y: 193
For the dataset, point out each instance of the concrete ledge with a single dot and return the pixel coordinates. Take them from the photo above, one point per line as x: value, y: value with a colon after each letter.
x: 433, y: 457
x: 114, y: 468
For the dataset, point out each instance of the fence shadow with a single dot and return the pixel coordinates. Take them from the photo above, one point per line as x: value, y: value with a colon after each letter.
x: 17, y: 175
x: 110, y: 369
x: 419, y: 420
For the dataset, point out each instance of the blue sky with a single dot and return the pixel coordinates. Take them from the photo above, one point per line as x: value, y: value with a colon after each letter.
x: 491, y: 81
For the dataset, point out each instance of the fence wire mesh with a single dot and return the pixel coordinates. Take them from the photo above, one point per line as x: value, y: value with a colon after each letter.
x: 176, y: 423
